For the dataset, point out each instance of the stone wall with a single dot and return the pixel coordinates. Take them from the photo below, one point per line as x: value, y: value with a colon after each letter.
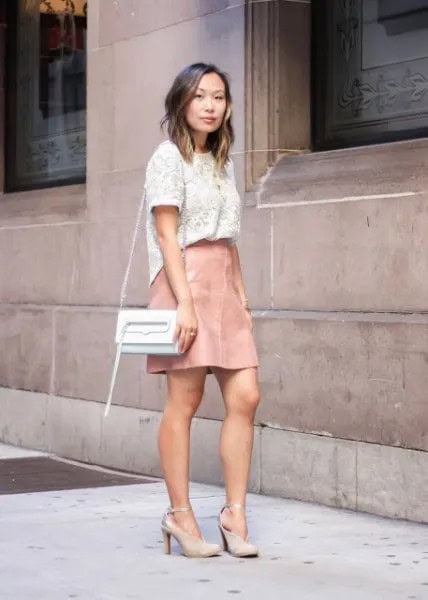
x: 335, y: 259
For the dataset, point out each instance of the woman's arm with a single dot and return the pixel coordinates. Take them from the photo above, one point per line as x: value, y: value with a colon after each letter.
x: 166, y: 220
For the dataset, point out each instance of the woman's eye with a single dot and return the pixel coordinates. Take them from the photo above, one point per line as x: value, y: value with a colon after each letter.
x: 198, y: 95
x: 219, y: 97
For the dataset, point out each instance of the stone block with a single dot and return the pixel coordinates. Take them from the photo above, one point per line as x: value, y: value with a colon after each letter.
x: 100, y: 264
x: 344, y: 377
x: 23, y: 420
x: 100, y: 111
x: 62, y: 206
x: 84, y: 354
x: 93, y: 24
x: 392, y: 482
x: 131, y: 18
x: 38, y: 264
x: 382, y: 169
x: 308, y: 467
x: 255, y: 255
x: 116, y: 195
x: 365, y: 256
x: 129, y: 441
x: 26, y: 358
x: 74, y: 428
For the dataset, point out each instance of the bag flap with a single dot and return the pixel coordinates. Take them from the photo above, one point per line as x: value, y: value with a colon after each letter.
x: 139, y: 326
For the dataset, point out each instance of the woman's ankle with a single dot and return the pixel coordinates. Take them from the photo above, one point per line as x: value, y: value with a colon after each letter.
x: 234, y: 521
x: 187, y: 522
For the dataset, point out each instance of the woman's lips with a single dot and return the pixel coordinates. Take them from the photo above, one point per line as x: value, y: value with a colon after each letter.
x: 209, y: 120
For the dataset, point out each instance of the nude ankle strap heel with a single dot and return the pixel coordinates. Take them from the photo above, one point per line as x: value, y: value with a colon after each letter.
x: 233, y: 543
x: 192, y: 547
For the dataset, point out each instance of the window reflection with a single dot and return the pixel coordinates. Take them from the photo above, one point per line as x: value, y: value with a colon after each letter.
x: 62, y: 63
x: 402, y: 16
x: 47, y: 137
x: 393, y: 31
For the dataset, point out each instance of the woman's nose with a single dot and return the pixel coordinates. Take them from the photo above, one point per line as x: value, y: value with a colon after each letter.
x: 209, y: 104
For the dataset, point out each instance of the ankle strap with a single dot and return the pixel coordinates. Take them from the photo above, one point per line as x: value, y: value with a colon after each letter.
x: 171, y: 510
x: 233, y: 505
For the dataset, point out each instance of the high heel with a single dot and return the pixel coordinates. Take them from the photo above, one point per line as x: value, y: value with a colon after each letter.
x: 166, y: 541
x: 192, y: 546
x: 234, y: 543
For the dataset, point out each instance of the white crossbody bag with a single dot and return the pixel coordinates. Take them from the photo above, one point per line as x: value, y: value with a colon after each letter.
x: 143, y: 330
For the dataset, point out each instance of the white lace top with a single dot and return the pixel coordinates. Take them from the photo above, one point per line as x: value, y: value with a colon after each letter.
x: 212, y: 207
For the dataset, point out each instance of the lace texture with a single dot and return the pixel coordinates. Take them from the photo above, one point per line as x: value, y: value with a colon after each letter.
x: 212, y: 203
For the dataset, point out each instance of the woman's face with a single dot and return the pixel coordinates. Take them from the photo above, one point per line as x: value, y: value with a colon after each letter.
x: 205, y: 112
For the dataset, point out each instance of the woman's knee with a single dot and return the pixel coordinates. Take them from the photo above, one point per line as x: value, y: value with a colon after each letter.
x: 191, y: 404
x: 185, y: 392
x: 253, y: 400
x: 246, y: 402
x: 184, y: 402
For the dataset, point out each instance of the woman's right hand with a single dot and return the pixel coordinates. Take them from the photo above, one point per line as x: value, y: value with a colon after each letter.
x: 187, y: 325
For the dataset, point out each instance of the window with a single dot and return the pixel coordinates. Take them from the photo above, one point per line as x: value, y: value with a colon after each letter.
x: 46, y: 93
x: 371, y: 71
x: 332, y: 74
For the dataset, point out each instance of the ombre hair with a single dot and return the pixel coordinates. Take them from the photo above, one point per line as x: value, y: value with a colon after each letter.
x: 181, y: 93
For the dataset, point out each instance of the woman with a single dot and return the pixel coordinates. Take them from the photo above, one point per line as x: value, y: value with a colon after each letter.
x: 193, y: 204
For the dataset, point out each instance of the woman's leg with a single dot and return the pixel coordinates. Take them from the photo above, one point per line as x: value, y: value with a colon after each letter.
x: 185, y: 390
x: 241, y: 396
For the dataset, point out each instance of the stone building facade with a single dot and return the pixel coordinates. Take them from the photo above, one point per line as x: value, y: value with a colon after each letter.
x: 332, y: 164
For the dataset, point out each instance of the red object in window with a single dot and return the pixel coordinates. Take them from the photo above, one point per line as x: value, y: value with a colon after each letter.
x: 58, y: 39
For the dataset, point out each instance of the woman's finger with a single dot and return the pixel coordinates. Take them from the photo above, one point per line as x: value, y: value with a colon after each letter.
x: 187, y: 342
x: 182, y: 340
x: 190, y: 336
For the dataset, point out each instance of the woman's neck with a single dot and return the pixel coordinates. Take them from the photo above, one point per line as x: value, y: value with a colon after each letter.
x: 200, y: 141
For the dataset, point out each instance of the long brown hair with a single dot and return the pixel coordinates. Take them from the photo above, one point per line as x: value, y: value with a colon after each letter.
x: 176, y: 101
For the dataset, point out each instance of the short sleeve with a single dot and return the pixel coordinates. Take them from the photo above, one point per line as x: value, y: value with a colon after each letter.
x: 230, y: 171
x: 164, y: 183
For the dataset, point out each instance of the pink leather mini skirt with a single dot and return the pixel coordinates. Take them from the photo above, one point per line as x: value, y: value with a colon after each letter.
x: 224, y: 338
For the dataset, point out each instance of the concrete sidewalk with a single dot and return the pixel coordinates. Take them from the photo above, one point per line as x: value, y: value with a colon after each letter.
x: 105, y: 544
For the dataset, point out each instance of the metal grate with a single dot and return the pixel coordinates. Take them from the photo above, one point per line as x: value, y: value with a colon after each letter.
x: 42, y: 474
